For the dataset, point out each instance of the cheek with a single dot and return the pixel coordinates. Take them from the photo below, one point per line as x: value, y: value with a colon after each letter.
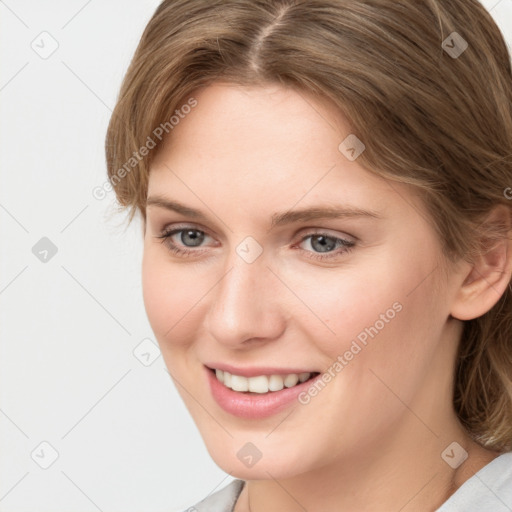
x: 374, y: 315
x: 171, y: 299
x: 342, y: 304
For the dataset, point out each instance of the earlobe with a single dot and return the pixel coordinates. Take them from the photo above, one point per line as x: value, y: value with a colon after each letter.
x: 489, y: 275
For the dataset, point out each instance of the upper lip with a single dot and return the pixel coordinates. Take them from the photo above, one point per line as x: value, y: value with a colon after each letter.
x: 254, y: 371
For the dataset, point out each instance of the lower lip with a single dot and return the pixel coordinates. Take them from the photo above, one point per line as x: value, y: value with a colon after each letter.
x: 257, y: 405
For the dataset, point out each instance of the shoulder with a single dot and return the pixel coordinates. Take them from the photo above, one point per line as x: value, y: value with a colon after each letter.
x: 220, y: 501
x: 488, y: 489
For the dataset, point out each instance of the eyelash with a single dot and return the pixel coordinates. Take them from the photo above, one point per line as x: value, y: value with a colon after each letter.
x: 346, y: 244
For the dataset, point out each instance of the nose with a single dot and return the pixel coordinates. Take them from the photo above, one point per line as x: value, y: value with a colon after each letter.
x: 245, y: 304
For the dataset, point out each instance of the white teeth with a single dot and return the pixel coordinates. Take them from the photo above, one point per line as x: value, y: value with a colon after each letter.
x: 275, y: 383
x: 239, y: 383
x: 261, y: 383
x: 258, y: 384
x: 291, y: 380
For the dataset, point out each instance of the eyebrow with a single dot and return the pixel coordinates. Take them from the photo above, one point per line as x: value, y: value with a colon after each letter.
x: 278, y: 219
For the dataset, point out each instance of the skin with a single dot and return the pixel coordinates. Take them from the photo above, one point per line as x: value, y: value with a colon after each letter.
x: 372, y: 439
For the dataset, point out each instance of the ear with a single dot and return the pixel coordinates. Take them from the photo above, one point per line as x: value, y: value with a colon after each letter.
x: 486, y: 279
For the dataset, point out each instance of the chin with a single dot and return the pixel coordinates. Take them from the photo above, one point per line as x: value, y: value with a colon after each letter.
x: 243, y: 459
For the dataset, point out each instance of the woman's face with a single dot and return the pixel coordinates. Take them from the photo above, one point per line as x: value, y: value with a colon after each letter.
x: 267, y: 284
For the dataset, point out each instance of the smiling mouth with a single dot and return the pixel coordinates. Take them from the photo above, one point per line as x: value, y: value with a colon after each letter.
x: 261, y: 384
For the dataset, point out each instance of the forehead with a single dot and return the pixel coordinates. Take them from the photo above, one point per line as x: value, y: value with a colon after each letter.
x: 263, y: 148
x: 232, y: 121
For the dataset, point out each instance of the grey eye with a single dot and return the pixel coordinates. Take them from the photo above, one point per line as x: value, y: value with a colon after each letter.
x: 191, y: 237
x: 321, y: 243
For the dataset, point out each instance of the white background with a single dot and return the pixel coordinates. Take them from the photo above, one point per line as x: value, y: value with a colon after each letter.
x: 69, y: 326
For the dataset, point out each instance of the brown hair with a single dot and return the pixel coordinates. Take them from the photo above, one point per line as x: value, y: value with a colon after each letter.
x: 439, y: 121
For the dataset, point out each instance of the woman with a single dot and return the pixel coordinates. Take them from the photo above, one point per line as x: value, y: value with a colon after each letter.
x: 327, y: 257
